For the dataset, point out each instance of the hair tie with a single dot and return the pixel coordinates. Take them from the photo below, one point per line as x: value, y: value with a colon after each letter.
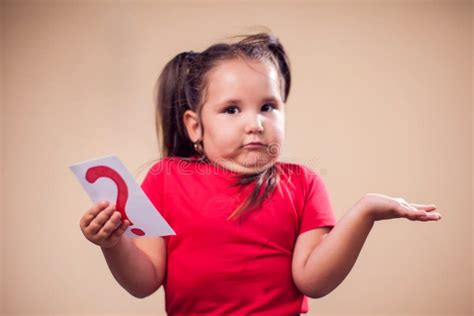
x: 190, y: 56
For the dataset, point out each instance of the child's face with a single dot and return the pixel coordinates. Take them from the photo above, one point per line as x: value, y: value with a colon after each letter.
x: 243, y: 104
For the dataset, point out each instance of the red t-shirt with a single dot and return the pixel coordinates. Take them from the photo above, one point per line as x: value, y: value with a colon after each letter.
x: 241, y: 267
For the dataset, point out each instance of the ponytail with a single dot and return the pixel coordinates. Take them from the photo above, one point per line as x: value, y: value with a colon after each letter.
x: 172, y: 102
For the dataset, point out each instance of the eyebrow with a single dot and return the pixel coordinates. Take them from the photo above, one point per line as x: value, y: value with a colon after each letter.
x: 239, y: 101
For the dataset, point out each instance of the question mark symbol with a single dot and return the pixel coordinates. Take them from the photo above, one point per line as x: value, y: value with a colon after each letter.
x: 97, y: 172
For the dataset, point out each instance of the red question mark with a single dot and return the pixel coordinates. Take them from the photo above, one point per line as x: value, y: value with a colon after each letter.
x: 97, y: 172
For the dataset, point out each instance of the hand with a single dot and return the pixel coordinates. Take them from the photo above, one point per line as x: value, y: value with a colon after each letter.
x: 102, y: 225
x: 380, y: 207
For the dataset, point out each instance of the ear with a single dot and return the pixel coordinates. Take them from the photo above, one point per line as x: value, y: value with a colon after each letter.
x: 193, y: 125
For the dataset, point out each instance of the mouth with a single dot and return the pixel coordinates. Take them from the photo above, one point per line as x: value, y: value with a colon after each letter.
x: 254, y: 145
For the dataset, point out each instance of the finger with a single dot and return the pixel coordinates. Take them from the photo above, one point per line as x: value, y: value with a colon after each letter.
x: 428, y: 208
x: 92, y: 213
x: 432, y: 216
x: 425, y: 207
x: 410, y: 211
x: 414, y: 214
x: 99, y: 221
x: 429, y: 214
x: 110, y: 225
x: 435, y: 215
x: 117, y: 233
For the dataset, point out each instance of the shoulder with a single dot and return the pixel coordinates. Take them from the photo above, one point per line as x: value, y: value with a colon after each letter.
x: 168, y: 164
x: 166, y: 169
x: 300, y: 177
x: 298, y: 171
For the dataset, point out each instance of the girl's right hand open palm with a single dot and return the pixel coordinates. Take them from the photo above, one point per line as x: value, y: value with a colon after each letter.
x: 102, y: 225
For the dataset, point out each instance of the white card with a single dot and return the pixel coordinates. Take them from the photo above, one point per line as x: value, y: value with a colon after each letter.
x: 107, y: 179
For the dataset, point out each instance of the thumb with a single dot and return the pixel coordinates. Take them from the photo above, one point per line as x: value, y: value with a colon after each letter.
x: 424, y: 207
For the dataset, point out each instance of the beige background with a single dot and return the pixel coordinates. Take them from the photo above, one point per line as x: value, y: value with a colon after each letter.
x: 381, y: 102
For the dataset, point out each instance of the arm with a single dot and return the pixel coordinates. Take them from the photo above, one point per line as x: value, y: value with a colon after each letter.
x: 137, y: 264
x: 322, y: 260
x: 333, y: 253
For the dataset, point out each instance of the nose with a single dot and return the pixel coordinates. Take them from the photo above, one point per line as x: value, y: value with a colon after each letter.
x: 254, y: 124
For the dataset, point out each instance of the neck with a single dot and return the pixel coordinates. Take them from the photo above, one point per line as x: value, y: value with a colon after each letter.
x: 242, y: 169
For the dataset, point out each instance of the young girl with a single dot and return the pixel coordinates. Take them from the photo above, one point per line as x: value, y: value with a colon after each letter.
x: 254, y: 235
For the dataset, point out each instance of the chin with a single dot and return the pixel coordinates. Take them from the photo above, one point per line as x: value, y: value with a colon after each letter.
x: 245, y: 165
x: 249, y: 168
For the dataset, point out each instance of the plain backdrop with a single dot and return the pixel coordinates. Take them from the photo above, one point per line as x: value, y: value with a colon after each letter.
x: 382, y: 101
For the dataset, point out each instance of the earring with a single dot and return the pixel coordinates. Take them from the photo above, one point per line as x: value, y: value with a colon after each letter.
x: 198, y: 148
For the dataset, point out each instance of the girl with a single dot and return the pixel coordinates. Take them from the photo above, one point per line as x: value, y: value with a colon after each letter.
x: 253, y: 235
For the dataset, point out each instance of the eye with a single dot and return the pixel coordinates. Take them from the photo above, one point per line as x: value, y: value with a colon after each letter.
x: 267, y: 107
x: 231, y: 109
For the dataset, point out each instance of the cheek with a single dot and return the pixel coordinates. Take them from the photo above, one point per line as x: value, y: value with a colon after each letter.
x: 279, y: 127
x: 220, y: 137
x: 282, y: 126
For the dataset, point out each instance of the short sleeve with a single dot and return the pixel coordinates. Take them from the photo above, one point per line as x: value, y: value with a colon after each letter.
x: 317, y: 209
x: 153, y: 185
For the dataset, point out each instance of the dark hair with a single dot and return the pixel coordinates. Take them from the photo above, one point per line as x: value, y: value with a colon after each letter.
x: 180, y: 88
